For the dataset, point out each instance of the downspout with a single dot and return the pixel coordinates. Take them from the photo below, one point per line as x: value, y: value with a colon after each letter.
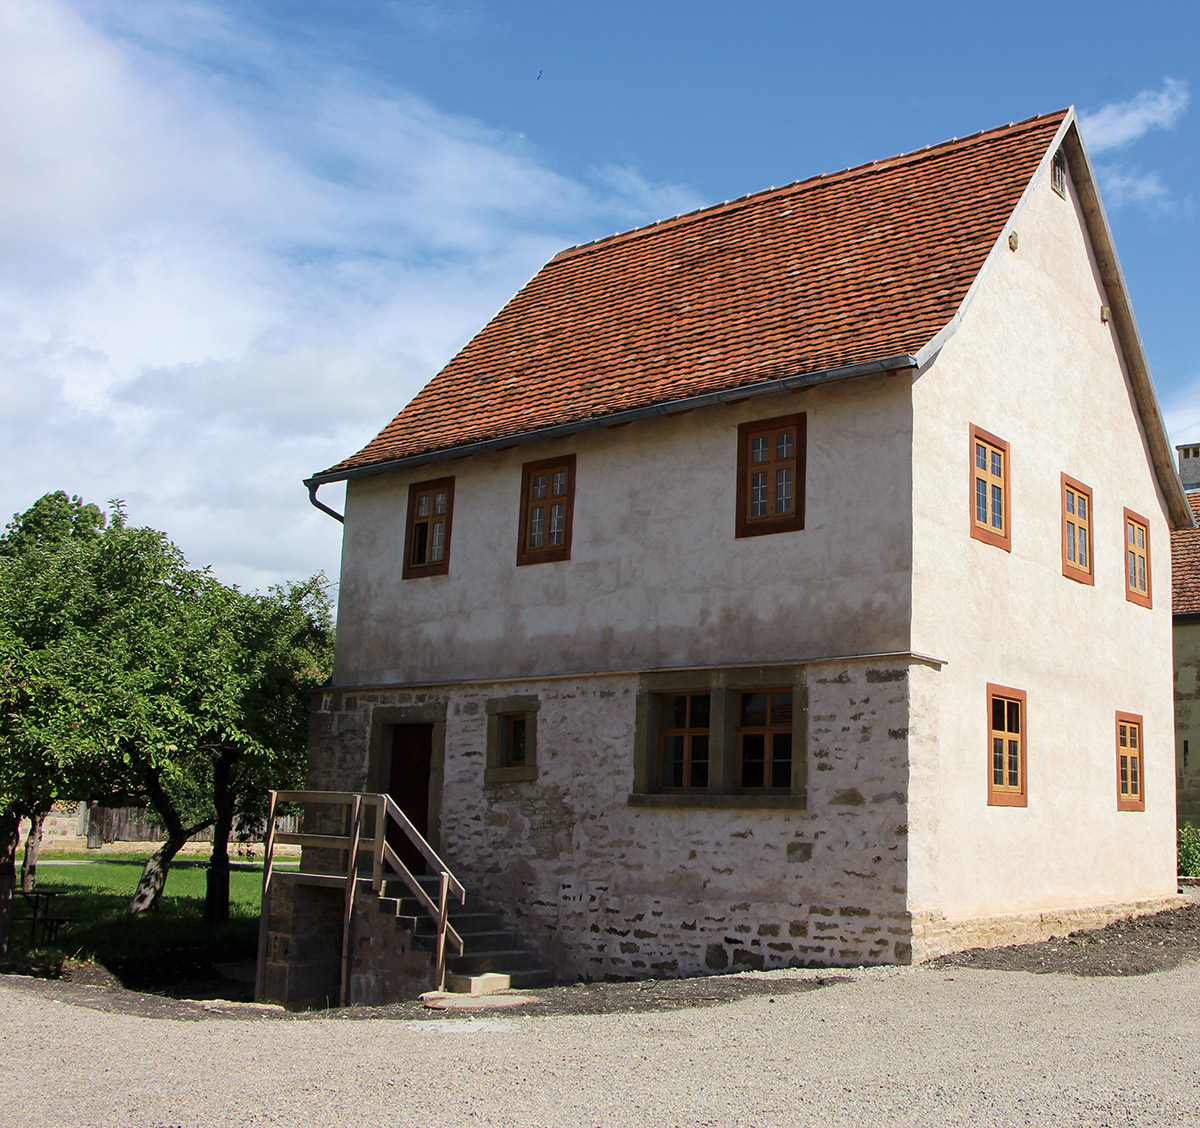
x: 313, y: 486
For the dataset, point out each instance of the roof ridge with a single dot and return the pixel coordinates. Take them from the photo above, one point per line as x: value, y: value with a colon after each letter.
x: 808, y: 183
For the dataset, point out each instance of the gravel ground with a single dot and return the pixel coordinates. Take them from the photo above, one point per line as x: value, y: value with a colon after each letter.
x: 882, y: 1046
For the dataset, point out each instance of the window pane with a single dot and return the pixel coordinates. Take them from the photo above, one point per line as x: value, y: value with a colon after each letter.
x: 1133, y: 775
x: 1014, y: 763
x: 699, y: 771
x: 783, y: 446
x: 783, y: 490
x: 781, y: 708
x: 781, y: 760
x: 1014, y: 717
x: 556, y: 523
x: 1132, y: 570
x: 672, y: 761
x: 559, y: 484
x: 539, y: 485
x: 761, y: 449
x: 1124, y: 775
x: 758, y: 495
x: 981, y: 501
x: 980, y: 456
x: 1071, y: 541
x: 998, y: 761
x: 674, y: 711
x: 435, y: 545
x: 1141, y: 573
x: 420, y: 543
x: 753, y: 760
x: 1070, y: 501
x: 1083, y: 547
x: 1129, y: 532
x: 423, y: 505
x: 1123, y: 736
x: 700, y: 710
x: 754, y: 710
x: 1141, y: 537
x: 699, y: 759
x: 997, y: 508
x: 1082, y: 510
x: 516, y: 740
x: 537, y: 517
x: 998, y: 714
x: 1133, y: 736
x: 439, y: 503
x: 997, y: 465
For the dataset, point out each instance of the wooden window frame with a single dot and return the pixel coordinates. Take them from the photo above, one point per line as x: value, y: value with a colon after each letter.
x: 981, y: 531
x: 689, y: 732
x: 501, y: 713
x: 1132, y: 593
x: 1058, y: 173
x: 412, y: 570
x: 547, y: 553
x: 1005, y: 795
x: 1128, y: 800
x: 767, y: 731
x: 745, y: 524
x: 1071, y: 568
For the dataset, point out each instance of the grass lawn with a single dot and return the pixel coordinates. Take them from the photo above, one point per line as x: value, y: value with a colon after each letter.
x: 152, y: 951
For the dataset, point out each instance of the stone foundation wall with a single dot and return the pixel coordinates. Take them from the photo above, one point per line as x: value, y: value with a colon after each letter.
x: 937, y: 936
x: 604, y: 888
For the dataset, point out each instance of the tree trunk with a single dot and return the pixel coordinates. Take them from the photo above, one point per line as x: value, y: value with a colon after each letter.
x: 216, y: 899
x: 154, y: 875
x: 33, y: 847
x: 9, y: 824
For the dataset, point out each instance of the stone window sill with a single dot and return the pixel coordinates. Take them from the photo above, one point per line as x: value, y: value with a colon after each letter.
x: 691, y: 799
x: 526, y: 773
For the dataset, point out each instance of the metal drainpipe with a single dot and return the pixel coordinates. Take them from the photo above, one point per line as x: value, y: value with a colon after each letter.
x: 312, y: 496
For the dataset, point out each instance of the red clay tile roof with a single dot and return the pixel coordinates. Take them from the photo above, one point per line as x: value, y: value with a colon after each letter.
x: 1185, y: 565
x: 842, y: 269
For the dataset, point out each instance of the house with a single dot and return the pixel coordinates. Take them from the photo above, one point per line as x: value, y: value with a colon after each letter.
x: 752, y: 590
x: 1185, y: 607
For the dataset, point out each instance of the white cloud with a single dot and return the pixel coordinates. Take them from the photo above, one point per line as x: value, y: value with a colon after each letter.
x: 1128, y: 186
x: 1121, y: 123
x: 224, y: 265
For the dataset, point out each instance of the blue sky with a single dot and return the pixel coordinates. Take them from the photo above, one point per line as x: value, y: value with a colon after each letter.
x: 236, y: 237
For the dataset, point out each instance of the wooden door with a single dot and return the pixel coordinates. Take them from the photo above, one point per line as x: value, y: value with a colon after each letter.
x: 408, y: 785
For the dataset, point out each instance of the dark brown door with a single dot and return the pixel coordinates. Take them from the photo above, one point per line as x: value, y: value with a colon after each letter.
x: 408, y: 785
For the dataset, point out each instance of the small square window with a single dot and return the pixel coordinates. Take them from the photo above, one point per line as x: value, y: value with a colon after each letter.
x: 990, y: 506
x: 427, y: 530
x: 547, y: 507
x: 1076, y: 501
x: 770, y: 485
x: 1137, y: 559
x: 1006, y: 747
x: 1058, y: 173
x: 511, y: 740
x: 1131, y: 783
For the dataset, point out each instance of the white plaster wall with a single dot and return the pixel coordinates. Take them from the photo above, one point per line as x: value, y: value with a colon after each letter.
x: 1033, y: 363
x: 656, y: 576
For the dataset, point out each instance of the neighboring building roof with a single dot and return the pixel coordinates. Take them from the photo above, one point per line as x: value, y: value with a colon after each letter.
x: 857, y: 266
x: 1185, y: 565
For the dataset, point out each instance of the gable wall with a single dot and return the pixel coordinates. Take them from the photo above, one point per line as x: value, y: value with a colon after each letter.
x: 656, y: 577
x: 1033, y: 364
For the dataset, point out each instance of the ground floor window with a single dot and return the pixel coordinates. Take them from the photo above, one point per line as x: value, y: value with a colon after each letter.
x: 721, y: 738
x: 511, y: 739
x: 1006, y: 747
x: 1130, y: 777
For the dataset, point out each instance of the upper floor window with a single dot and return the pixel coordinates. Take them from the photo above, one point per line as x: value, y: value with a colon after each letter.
x: 1130, y: 786
x: 990, y: 509
x: 1076, y: 530
x: 547, y: 504
x: 427, y: 531
x: 1006, y: 747
x: 1137, y: 558
x: 770, y: 487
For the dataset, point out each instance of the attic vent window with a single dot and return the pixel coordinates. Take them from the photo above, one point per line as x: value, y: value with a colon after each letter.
x: 1058, y: 174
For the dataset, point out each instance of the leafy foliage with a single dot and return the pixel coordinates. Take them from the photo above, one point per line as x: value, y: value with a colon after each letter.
x: 1189, y: 850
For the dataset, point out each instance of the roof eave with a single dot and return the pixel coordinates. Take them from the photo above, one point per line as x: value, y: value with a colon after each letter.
x: 900, y: 362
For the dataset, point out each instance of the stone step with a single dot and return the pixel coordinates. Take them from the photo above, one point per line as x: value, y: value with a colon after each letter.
x: 508, y: 960
x: 489, y: 982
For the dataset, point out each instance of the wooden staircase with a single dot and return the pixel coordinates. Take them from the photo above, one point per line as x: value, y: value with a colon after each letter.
x: 469, y: 950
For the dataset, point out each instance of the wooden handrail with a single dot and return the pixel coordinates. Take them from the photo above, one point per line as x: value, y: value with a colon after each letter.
x: 383, y: 859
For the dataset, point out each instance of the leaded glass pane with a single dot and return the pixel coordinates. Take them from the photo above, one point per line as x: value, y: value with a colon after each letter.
x: 1133, y: 737
x: 1132, y: 570
x: 1141, y: 537
x: 558, y: 486
x: 997, y: 508
x: 1141, y: 573
x: 1123, y: 736
x: 556, y: 523
x: 760, y: 449
x: 1082, y: 507
x: 998, y: 761
x: 1071, y: 541
x: 1083, y: 548
x: 997, y: 464
x: 981, y: 501
x: 1014, y: 763
x: 1124, y: 775
x: 423, y: 505
x: 758, y: 495
x: 1133, y: 775
x: 1070, y: 501
x: 539, y: 485
x: 783, y: 490
x: 435, y: 544
x: 439, y: 503
x: 980, y: 456
x: 537, y: 518
x: 783, y: 445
